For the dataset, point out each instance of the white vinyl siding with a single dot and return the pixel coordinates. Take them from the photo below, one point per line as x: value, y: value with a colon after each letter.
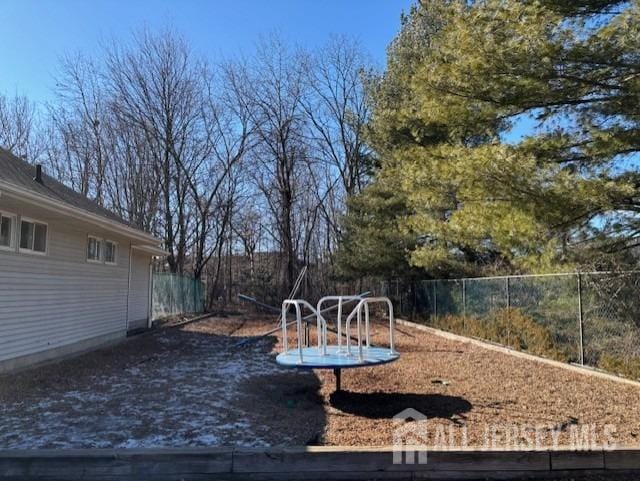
x: 47, y: 302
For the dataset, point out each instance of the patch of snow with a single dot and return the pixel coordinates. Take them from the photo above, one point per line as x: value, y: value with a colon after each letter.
x: 183, y: 399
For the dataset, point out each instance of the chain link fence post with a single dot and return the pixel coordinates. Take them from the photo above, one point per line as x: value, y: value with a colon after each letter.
x: 435, y: 301
x: 464, y: 305
x: 508, y: 292
x: 580, y: 319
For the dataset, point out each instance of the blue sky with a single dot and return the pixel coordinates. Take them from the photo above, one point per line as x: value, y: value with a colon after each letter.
x: 37, y: 33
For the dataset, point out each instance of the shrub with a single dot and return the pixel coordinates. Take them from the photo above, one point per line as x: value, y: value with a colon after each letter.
x: 509, y: 327
x: 628, y: 367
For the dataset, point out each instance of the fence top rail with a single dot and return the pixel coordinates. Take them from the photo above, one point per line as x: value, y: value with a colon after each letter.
x: 517, y: 276
x: 176, y: 275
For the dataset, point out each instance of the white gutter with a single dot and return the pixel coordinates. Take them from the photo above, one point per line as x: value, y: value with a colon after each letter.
x: 77, y: 213
x: 148, y: 249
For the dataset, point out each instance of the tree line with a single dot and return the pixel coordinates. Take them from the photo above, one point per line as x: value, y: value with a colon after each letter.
x: 502, y: 137
x: 251, y: 156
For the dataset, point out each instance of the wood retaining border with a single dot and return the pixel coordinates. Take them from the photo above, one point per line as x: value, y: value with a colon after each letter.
x: 309, y: 463
x: 589, y: 371
x: 184, y: 322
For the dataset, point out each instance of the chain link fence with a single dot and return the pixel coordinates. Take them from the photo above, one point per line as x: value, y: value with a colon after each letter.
x: 173, y: 294
x: 585, y: 318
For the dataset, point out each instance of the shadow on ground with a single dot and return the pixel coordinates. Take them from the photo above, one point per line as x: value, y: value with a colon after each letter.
x: 284, y: 405
x: 383, y: 405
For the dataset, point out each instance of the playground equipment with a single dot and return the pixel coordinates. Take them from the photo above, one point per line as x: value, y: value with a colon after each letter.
x: 252, y: 300
x: 342, y: 355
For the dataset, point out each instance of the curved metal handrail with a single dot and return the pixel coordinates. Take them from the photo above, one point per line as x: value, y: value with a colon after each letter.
x: 359, y: 312
x: 341, y: 301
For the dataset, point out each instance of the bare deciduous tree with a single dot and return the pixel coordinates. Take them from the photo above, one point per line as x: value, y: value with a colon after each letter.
x: 242, y: 163
x: 156, y: 87
x: 18, y: 125
x: 338, y: 110
x: 80, y: 119
x: 277, y: 93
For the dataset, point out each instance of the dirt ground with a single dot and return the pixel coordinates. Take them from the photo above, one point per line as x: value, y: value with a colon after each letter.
x: 193, y: 385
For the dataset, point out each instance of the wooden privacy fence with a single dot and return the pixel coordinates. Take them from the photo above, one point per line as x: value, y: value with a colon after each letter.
x: 173, y: 294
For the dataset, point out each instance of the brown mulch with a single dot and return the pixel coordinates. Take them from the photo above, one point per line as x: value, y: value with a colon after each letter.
x: 472, y: 396
x: 475, y: 396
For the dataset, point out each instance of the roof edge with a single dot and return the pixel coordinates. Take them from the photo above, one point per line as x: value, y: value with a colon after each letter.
x: 150, y: 249
x: 75, y: 212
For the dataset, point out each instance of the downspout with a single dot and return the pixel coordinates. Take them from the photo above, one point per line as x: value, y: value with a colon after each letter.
x: 150, y: 296
x: 126, y: 322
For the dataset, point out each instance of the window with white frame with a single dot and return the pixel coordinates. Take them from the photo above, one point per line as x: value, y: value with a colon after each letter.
x: 94, y: 249
x: 33, y: 236
x: 7, y: 223
x: 110, y: 252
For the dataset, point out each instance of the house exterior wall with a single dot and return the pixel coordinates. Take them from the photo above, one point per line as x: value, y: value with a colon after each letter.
x: 59, y: 303
x: 139, y: 290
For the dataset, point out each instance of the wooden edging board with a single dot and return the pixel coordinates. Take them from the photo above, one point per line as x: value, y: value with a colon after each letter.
x: 523, y: 355
x: 184, y: 322
x: 321, y: 463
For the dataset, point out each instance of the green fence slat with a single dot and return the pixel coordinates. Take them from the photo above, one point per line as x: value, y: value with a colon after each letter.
x: 173, y: 295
